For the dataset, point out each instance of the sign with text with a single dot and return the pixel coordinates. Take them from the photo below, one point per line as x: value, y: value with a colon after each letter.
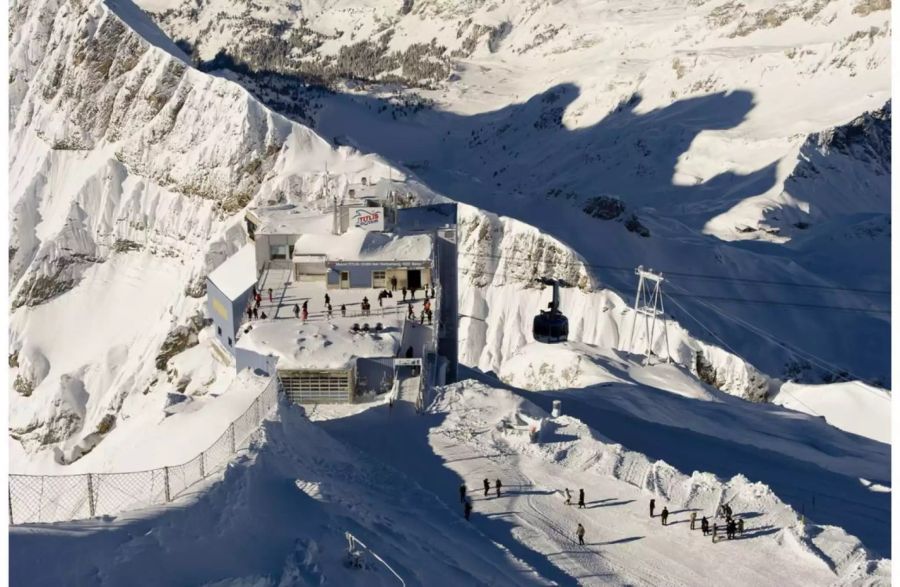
x: 367, y: 218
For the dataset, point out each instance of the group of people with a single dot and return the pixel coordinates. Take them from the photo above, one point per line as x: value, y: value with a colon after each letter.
x: 254, y: 311
x: 467, y: 502
x: 734, y: 526
x: 304, y: 311
x: 580, y: 498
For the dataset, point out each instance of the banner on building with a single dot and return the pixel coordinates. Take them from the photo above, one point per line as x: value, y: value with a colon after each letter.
x: 367, y: 218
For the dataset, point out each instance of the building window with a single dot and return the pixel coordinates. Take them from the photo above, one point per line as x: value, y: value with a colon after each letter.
x: 278, y: 251
x: 378, y: 279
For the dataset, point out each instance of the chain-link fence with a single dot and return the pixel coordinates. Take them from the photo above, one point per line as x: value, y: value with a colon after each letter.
x: 57, y: 498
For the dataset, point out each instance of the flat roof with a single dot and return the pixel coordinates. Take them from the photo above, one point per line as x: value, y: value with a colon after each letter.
x: 237, y: 273
x: 291, y: 220
x: 360, y: 245
x: 320, y: 343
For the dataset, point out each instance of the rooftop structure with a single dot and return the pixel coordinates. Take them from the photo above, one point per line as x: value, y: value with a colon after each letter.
x: 374, y: 274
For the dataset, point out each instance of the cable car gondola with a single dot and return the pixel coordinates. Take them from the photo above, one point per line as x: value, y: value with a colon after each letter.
x: 551, y: 325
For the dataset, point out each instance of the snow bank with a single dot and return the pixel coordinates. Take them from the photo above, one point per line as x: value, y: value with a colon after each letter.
x: 470, y: 406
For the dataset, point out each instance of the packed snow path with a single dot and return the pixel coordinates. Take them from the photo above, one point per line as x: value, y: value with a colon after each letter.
x: 624, y: 546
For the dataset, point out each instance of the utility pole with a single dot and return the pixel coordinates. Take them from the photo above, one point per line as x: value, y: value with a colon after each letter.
x: 648, y: 303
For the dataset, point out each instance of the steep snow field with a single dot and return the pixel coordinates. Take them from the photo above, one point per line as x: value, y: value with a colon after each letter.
x: 391, y: 477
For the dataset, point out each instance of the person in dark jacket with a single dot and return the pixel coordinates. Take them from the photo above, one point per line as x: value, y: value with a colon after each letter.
x: 296, y: 311
x: 343, y: 311
x: 704, y: 525
x: 487, y: 487
x: 249, y: 312
x: 270, y: 296
x: 652, y: 506
x: 403, y: 291
x: 462, y: 493
x: 394, y: 282
x: 498, y: 485
x: 580, y: 498
x: 665, y: 516
x: 327, y: 299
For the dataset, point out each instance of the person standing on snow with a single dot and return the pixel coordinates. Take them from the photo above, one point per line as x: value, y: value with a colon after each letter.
x: 499, y: 485
x: 462, y: 492
x: 568, y: 497
x: 740, y: 526
x: 304, y: 315
x: 704, y: 525
x: 715, y: 531
x: 487, y: 487
x: 403, y: 291
x: 249, y: 312
x: 328, y: 308
x: 343, y: 311
x: 693, y: 519
x: 327, y: 299
x: 581, y: 499
x: 296, y: 311
x: 270, y: 296
x: 580, y: 533
x: 467, y: 508
x: 652, y: 506
x: 665, y: 516
x: 394, y: 282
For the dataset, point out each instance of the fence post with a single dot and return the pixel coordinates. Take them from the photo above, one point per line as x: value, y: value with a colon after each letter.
x: 168, y: 491
x: 92, y: 506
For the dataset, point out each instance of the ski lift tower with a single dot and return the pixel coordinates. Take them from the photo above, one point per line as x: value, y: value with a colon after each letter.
x: 648, y: 303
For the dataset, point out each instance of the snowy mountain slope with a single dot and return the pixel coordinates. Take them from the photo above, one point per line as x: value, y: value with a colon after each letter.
x: 683, y: 121
x: 125, y: 225
x: 276, y: 517
x: 127, y: 170
x: 466, y: 444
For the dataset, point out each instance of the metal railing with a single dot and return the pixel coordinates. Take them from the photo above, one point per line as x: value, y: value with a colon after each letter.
x: 352, y: 549
x: 58, y: 498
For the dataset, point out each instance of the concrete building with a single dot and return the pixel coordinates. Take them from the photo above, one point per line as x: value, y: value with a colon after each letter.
x: 366, y: 343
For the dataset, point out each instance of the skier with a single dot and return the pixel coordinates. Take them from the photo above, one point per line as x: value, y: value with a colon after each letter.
x: 665, y: 516
x: 580, y: 533
x: 394, y: 282
x: 704, y: 525
x: 327, y: 299
x: 499, y: 485
x: 296, y: 311
x: 740, y: 526
x: 343, y: 311
x: 693, y: 519
x: 568, y: 497
x: 328, y: 307
x: 462, y: 492
x: 581, y: 499
x: 270, y: 296
x: 487, y: 487
x: 652, y: 506
x: 467, y: 508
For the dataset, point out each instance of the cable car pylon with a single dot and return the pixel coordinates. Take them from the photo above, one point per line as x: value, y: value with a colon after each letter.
x: 648, y: 303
